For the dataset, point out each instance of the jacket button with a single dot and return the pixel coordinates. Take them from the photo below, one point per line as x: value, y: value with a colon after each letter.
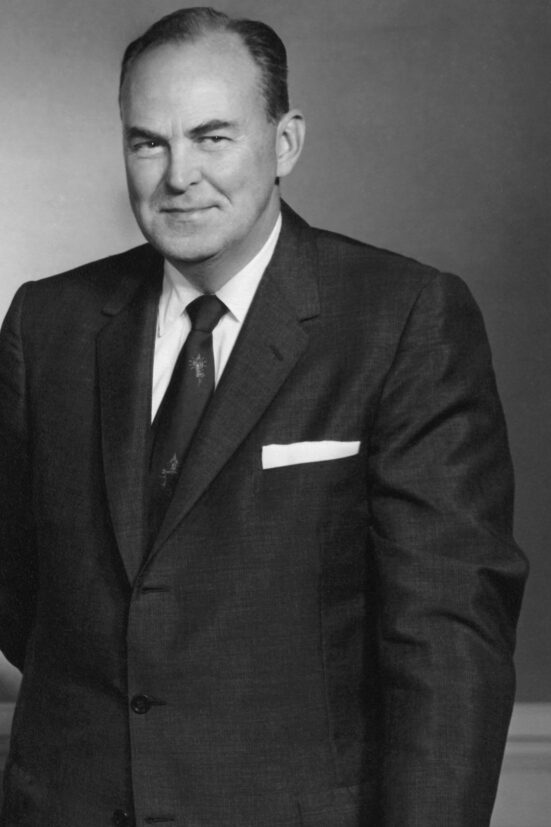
x: 120, y: 818
x: 140, y: 704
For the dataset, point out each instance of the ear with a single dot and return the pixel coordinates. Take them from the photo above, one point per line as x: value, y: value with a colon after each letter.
x: 290, y: 140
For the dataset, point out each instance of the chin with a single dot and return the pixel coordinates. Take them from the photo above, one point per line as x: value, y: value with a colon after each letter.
x: 186, y: 254
x: 177, y: 248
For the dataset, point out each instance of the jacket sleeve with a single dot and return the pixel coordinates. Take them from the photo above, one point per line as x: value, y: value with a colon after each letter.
x: 17, y: 548
x: 450, y: 574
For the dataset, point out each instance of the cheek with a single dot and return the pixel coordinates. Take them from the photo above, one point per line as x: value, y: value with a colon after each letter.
x: 262, y: 172
x: 246, y: 177
x: 225, y: 174
x: 143, y: 179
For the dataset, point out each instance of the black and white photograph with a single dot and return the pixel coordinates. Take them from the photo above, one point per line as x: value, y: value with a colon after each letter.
x: 275, y: 404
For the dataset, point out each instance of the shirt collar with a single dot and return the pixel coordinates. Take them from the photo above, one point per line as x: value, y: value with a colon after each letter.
x: 237, y: 293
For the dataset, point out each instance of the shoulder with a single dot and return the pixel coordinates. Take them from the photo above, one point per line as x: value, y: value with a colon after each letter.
x: 78, y: 299
x: 382, y: 283
x: 95, y: 281
x: 356, y: 259
x: 85, y: 290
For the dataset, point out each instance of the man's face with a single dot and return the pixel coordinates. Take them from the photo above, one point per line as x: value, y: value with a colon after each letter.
x: 201, y: 156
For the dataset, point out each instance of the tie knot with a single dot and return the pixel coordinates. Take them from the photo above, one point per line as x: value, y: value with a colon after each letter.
x: 205, y: 312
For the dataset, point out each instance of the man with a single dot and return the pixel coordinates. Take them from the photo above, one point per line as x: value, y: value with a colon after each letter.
x: 288, y: 601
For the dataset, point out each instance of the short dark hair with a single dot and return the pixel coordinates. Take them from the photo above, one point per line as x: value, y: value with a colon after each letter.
x: 264, y: 46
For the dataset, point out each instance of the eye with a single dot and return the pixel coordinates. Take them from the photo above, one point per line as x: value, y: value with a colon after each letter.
x: 145, y: 147
x: 212, y: 141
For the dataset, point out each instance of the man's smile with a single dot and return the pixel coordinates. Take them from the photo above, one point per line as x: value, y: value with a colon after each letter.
x: 187, y: 213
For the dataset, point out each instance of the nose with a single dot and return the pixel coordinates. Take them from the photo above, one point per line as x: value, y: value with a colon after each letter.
x: 183, y: 168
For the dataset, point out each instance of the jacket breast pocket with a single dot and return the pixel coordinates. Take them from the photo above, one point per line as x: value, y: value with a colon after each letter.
x: 326, y: 473
x: 307, y: 496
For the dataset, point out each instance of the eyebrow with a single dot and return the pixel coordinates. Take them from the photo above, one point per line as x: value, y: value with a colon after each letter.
x: 210, y: 126
x: 134, y: 132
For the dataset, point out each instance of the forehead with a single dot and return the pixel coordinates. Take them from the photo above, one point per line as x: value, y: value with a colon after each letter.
x: 215, y: 70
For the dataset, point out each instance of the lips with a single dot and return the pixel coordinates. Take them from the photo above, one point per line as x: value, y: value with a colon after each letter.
x: 187, y: 210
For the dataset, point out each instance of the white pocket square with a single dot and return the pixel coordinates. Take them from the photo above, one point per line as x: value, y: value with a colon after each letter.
x: 275, y: 456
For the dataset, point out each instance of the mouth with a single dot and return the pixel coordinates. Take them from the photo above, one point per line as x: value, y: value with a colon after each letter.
x: 186, y: 212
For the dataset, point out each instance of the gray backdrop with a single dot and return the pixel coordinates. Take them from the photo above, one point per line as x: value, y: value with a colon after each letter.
x: 428, y: 133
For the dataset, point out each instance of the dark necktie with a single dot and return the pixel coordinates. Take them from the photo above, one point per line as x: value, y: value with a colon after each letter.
x: 187, y: 396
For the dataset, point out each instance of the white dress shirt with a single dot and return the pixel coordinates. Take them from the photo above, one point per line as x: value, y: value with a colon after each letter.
x: 173, y: 323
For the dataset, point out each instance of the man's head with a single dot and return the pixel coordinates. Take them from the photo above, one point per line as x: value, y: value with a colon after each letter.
x: 207, y: 135
x: 263, y: 44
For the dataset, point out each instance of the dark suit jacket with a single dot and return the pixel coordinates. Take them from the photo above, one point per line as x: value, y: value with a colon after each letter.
x: 326, y: 644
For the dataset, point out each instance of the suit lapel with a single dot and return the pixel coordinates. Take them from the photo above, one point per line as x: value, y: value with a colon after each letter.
x: 270, y: 343
x: 125, y: 349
